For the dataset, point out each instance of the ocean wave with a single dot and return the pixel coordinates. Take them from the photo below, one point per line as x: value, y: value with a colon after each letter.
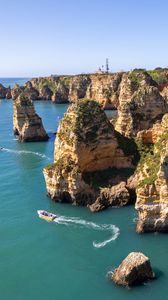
x: 112, y: 229
x: 24, y: 152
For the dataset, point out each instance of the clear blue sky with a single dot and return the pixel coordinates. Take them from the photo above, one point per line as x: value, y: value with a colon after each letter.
x: 43, y: 37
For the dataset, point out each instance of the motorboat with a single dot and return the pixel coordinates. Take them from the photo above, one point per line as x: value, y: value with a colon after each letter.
x: 43, y: 214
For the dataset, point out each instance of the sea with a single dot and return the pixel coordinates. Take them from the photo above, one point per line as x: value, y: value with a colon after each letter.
x: 74, y: 257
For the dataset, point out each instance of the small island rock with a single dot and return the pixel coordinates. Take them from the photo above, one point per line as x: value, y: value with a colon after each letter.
x: 26, y: 123
x: 134, y: 269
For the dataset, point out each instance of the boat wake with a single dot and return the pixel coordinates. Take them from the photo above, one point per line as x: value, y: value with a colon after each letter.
x: 24, y: 152
x: 112, y: 229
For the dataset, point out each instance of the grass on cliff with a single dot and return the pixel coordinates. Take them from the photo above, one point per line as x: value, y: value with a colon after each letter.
x: 159, y: 76
x: 90, y: 116
x: 135, y: 78
x: 150, y: 156
x: 65, y: 164
x: 129, y: 147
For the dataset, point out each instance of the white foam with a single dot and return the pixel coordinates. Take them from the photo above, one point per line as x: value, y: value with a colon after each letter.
x: 115, y: 233
x: 110, y: 273
x: 135, y: 220
x: 114, y: 230
x: 20, y: 152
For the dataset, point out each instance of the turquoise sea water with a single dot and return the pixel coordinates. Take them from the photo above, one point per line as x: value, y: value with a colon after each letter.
x: 71, y: 259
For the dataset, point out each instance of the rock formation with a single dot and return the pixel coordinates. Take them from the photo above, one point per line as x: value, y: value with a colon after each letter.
x: 27, y: 125
x: 88, y: 152
x: 102, y: 88
x: 152, y: 190
x: 117, y: 195
x: 134, y: 269
x: 31, y: 92
x: 5, y: 93
x: 109, y: 90
x: 140, y: 104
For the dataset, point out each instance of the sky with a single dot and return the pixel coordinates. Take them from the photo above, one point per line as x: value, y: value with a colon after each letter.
x: 44, y: 37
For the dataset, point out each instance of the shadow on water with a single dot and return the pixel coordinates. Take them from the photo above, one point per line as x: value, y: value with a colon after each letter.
x: 52, y: 136
x: 158, y: 272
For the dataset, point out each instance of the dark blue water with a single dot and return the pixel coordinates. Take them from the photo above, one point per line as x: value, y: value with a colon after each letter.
x: 70, y: 259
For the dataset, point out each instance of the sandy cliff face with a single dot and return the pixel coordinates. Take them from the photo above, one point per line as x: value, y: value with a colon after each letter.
x: 109, y: 90
x: 102, y: 88
x: 26, y: 123
x: 140, y: 104
x: 86, y: 143
x: 152, y: 190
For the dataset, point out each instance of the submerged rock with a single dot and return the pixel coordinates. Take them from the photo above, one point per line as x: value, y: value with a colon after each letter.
x: 87, y: 150
x: 134, y: 269
x: 26, y: 123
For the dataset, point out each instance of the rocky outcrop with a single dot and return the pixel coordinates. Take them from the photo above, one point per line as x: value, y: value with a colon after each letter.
x: 87, y: 153
x: 117, y: 195
x: 16, y: 91
x: 153, y: 134
x: 135, y: 269
x: 102, y: 88
x: 140, y: 104
x: 5, y: 93
x: 61, y: 94
x: 110, y: 90
x: 27, y: 125
x: 152, y: 190
x: 78, y: 87
x: 31, y: 91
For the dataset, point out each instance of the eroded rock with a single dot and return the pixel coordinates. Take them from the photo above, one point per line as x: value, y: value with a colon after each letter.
x: 133, y: 270
x: 27, y: 125
x: 117, y: 195
x: 141, y: 104
x: 86, y: 148
x: 152, y: 189
x: 5, y: 93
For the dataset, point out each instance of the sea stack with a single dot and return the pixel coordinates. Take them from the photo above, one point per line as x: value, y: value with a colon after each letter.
x: 27, y: 125
x: 5, y: 93
x: 133, y: 270
x: 86, y: 148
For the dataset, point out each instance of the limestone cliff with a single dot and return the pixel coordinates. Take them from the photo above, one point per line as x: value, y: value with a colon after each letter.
x: 63, y: 89
x: 27, y: 125
x: 87, y: 151
x: 109, y: 90
x: 16, y: 91
x: 140, y: 104
x: 152, y: 190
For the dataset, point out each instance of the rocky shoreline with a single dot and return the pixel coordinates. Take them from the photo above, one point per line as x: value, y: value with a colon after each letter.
x: 98, y: 163
x: 101, y: 165
x: 106, y: 89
